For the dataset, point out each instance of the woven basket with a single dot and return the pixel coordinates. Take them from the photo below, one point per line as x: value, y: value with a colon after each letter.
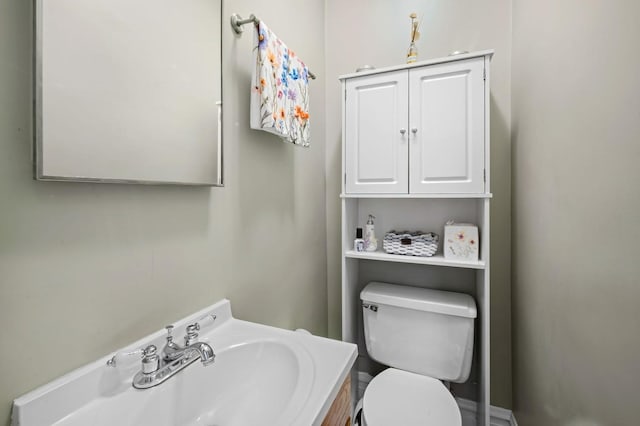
x: 411, y: 243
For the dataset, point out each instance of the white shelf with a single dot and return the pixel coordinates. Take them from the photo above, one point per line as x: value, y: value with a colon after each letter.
x: 461, y: 195
x: 371, y: 193
x: 437, y: 260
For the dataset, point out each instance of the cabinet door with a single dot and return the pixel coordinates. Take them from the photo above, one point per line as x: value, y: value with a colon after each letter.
x: 446, y: 121
x: 376, y: 134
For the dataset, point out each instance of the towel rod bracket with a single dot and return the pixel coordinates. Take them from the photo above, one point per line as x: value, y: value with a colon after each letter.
x: 237, y: 22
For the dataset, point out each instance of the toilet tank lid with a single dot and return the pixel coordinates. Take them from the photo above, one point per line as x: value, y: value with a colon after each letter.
x: 421, y: 299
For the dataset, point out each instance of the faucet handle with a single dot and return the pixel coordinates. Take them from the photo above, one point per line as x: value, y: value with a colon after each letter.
x: 150, y: 360
x: 169, y: 331
x: 120, y: 357
x: 192, y: 334
x: 207, y: 320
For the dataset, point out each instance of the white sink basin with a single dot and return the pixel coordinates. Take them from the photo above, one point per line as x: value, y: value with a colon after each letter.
x: 261, y: 376
x: 268, y: 383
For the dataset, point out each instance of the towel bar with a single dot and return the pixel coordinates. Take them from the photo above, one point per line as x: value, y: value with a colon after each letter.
x: 237, y: 22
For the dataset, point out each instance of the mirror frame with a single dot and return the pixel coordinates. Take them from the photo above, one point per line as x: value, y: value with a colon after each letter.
x: 37, y: 151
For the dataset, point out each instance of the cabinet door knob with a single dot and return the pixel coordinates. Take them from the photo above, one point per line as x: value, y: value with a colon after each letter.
x: 403, y: 131
x: 414, y: 130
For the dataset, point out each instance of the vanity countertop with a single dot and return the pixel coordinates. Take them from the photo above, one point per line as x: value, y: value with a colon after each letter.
x: 261, y: 375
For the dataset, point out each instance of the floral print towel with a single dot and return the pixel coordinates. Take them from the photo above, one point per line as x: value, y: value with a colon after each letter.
x: 280, y: 95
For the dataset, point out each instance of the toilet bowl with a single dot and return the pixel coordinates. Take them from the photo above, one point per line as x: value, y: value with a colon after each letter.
x: 424, y: 336
x: 396, y: 397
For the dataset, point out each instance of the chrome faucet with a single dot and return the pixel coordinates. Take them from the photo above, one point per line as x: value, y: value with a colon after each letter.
x: 173, y: 351
x: 156, y: 370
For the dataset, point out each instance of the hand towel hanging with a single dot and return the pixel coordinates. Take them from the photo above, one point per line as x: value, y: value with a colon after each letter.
x: 280, y: 92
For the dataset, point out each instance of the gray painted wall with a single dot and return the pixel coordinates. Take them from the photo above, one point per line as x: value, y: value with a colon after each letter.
x: 88, y: 268
x: 576, y: 150
x: 376, y: 32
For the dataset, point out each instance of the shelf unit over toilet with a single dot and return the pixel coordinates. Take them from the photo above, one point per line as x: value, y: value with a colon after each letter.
x: 415, y: 153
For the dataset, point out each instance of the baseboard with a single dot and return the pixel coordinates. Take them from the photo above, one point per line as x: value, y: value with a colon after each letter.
x: 498, y: 416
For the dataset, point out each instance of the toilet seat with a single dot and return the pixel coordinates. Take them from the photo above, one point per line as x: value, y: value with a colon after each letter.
x: 396, y: 397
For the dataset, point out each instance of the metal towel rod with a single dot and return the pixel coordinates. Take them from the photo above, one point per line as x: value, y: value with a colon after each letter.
x: 237, y: 22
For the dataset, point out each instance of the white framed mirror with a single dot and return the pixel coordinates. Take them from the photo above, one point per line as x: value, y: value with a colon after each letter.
x: 128, y: 91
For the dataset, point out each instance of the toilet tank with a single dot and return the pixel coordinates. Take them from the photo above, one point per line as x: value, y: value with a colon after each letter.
x: 429, y: 332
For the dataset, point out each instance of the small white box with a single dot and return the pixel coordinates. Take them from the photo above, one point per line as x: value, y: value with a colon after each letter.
x: 461, y: 241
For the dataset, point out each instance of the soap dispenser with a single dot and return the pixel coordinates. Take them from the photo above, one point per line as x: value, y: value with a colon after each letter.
x: 370, y: 242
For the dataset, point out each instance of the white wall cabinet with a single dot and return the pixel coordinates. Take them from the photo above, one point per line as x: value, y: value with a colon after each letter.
x: 415, y: 152
x: 376, y: 127
x: 416, y: 130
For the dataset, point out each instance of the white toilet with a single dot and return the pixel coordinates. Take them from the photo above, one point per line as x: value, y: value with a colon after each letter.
x: 425, y: 336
